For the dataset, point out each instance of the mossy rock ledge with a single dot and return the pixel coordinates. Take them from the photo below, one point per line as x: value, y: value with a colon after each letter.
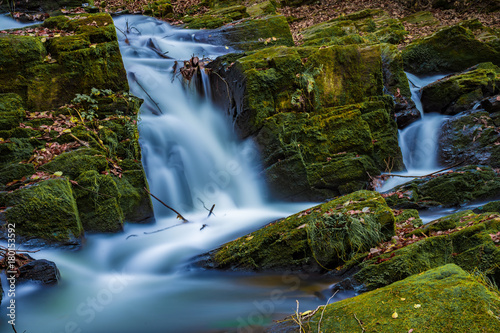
x: 459, y: 92
x: 472, y: 137
x: 319, y: 116
x: 48, y: 73
x: 443, y: 299
x: 449, y: 189
x: 320, y: 238
x: 453, y: 49
x: 464, y: 238
x: 69, y: 151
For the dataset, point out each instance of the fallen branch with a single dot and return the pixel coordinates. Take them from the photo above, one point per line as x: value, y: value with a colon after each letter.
x: 428, y: 175
x: 211, y: 211
x: 154, y: 232
x: 179, y: 215
x: 133, y: 77
x: 324, y: 307
x: 359, y: 322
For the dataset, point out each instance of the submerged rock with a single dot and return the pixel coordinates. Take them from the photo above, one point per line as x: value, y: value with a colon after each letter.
x: 452, y: 188
x: 43, y: 271
x: 321, y: 237
x: 443, y: 299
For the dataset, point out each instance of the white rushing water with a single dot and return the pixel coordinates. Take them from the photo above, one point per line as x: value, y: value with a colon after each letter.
x: 118, y: 283
x: 418, y: 141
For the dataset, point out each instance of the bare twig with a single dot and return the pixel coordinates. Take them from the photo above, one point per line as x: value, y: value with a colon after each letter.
x: 322, y: 312
x: 83, y: 143
x: 14, y: 328
x: 133, y: 77
x: 211, y: 211
x: 154, y: 232
x: 129, y: 236
x: 359, y: 322
x: 430, y: 174
x: 179, y: 215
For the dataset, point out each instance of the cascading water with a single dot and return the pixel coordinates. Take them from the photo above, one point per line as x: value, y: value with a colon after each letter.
x: 120, y: 283
x: 418, y: 141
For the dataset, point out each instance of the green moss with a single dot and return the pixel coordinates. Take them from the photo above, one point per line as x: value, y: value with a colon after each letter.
x: 370, y: 26
x: 470, y: 248
x: 493, y: 206
x: 444, y: 299
x: 450, y: 49
x: 74, y: 163
x: 449, y: 189
x: 457, y: 93
x: 298, y: 242
x: 15, y: 171
x: 409, y: 215
x: 55, y: 46
x: 15, y: 150
x: 350, y: 73
x: 159, y: 8
x: 267, y: 7
x: 11, y: 111
x: 46, y: 210
x: 421, y: 19
x: 98, y: 199
x: 252, y: 34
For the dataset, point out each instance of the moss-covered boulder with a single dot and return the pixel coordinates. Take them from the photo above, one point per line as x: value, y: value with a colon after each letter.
x: 444, y: 299
x: 93, y: 143
x: 216, y: 18
x: 48, y: 72
x: 370, y: 26
x: 45, y: 212
x: 493, y: 206
x: 255, y: 33
x: 452, y: 188
x: 472, y: 137
x: 466, y: 239
x: 318, y: 115
x: 451, y: 49
x: 318, y: 238
x: 459, y: 92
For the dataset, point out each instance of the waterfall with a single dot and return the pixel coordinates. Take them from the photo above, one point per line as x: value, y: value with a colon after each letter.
x: 138, y: 280
x: 418, y: 141
x: 190, y: 154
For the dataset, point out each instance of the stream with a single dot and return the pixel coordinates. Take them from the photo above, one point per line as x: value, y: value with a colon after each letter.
x: 139, y: 280
x: 133, y: 281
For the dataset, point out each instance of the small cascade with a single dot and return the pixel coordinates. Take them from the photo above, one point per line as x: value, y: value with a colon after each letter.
x: 418, y: 141
x: 190, y: 154
x: 137, y: 281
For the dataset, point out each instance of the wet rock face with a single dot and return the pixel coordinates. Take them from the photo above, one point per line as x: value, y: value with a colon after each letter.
x: 318, y: 115
x: 451, y: 49
x: 451, y: 188
x: 43, y: 271
x: 472, y: 137
x: 459, y: 92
